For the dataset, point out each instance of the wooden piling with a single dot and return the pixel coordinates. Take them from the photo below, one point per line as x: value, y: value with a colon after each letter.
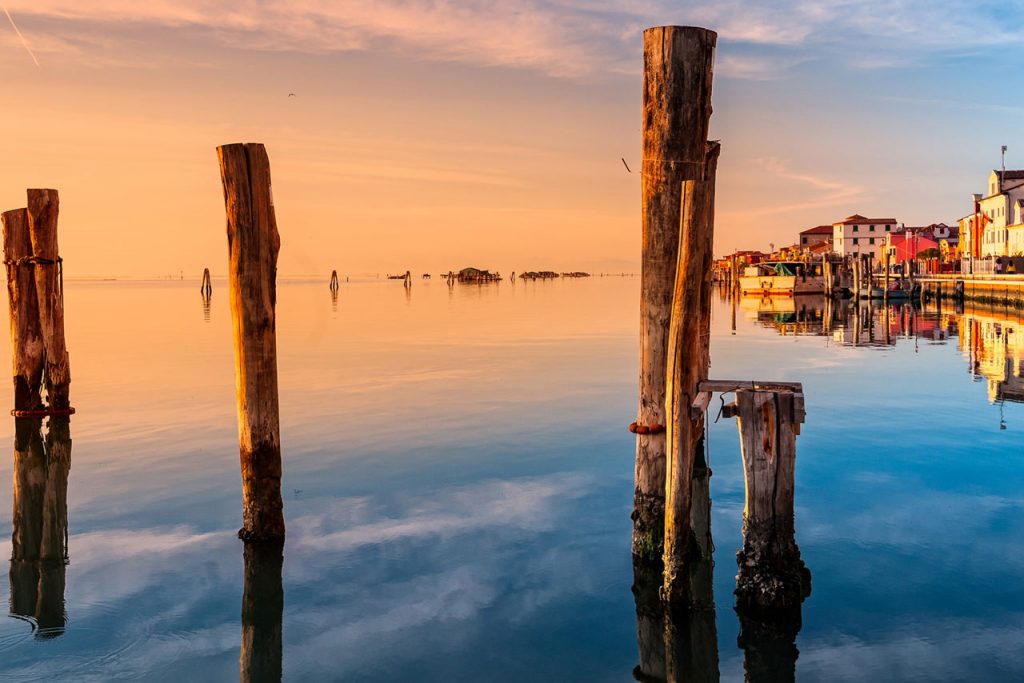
x: 771, y: 572
x: 206, y: 288
x: 259, y: 659
x: 27, y: 349
x: 334, y: 281
x: 43, y: 207
x: 688, y: 360
x: 678, y: 65
x: 253, y: 244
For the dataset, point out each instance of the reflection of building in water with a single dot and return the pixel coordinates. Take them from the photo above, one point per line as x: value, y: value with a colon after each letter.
x: 40, y: 521
x: 994, y: 344
x: 847, y: 322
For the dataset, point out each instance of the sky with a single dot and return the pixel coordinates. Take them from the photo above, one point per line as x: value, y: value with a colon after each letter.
x: 431, y: 134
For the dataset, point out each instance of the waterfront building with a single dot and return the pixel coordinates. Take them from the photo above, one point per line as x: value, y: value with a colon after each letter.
x: 998, y: 214
x: 857, y: 234
x: 819, y: 233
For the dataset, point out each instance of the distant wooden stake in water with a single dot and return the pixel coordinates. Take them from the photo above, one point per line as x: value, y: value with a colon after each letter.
x: 253, y: 244
x: 676, y: 111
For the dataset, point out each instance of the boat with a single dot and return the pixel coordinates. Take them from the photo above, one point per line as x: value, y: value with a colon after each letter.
x: 782, y: 278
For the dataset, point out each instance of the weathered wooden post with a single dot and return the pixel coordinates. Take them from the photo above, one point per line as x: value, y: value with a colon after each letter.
x: 334, y: 281
x: 206, y: 289
x: 688, y: 361
x: 253, y: 244
x: 885, y: 292
x: 678, y: 65
x: 27, y: 349
x: 771, y: 573
x: 259, y: 658
x: 43, y: 207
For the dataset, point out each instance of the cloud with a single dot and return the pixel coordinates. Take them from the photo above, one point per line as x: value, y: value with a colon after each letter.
x: 823, y: 192
x: 562, y: 38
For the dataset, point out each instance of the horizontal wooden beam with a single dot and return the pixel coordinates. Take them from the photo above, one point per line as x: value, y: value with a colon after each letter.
x: 700, y: 405
x: 727, y: 385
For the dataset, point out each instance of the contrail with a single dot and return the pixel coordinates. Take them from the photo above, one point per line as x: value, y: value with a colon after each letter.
x: 24, y: 42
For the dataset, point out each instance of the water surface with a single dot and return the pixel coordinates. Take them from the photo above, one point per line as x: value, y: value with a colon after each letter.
x: 458, y: 482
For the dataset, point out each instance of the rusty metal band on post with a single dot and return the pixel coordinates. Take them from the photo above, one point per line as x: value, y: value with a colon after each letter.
x: 44, y: 412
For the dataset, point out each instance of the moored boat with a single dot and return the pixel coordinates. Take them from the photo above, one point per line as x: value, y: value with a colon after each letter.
x: 782, y: 278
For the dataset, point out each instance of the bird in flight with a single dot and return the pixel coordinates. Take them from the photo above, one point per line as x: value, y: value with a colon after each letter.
x: 626, y: 165
x: 291, y: 94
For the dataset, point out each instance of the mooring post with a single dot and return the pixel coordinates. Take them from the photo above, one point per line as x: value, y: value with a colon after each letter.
x: 771, y: 572
x: 27, y: 349
x: 253, y: 244
x: 334, y: 281
x: 262, y: 608
x: 678, y: 65
x: 688, y: 361
x: 206, y: 289
x: 43, y: 207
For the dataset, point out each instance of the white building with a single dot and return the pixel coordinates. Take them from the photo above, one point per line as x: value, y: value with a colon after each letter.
x: 1003, y: 211
x: 859, y: 235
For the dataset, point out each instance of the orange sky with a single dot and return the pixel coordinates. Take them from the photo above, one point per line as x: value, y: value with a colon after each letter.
x: 431, y: 136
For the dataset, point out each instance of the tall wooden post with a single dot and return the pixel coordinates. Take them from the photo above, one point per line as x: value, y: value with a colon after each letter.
x: 43, y: 207
x: 27, y: 349
x: 688, y: 361
x: 771, y: 573
x: 253, y: 244
x: 334, y: 281
x: 207, y: 287
x: 259, y: 659
x: 678, y: 65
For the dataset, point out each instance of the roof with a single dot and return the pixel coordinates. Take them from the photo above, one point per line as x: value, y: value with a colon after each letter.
x: 818, y: 230
x: 857, y: 219
x: 819, y: 247
x: 1010, y: 175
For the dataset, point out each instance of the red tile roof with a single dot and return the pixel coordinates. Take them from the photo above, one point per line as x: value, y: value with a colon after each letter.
x: 857, y: 219
x: 818, y: 230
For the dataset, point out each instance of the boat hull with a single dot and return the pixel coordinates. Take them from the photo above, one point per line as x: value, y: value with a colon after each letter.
x: 781, y: 285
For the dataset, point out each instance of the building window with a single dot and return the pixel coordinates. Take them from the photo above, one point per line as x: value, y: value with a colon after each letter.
x: 887, y: 228
x: 855, y: 228
x: 872, y: 240
x: 871, y: 228
x: 855, y: 240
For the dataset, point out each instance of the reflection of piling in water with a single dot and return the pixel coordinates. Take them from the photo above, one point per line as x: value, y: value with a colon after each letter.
x: 334, y: 300
x: 253, y: 244
x: 650, y: 621
x: 40, y: 523
x: 680, y: 643
x: 259, y: 660
x: 768, y: 641
x: 691, y: 635
x: 206, y: 308
x: 676, y: 111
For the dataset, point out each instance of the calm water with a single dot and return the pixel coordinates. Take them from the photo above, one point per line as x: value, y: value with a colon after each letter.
x: 458, y: 480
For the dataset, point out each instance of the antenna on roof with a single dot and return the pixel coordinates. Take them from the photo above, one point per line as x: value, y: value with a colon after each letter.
x: 1003, y: 161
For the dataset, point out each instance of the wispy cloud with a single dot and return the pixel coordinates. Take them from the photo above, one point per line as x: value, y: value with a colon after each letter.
x: 24, y: 43
x: 564, y: 38
x: 820, y: 192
